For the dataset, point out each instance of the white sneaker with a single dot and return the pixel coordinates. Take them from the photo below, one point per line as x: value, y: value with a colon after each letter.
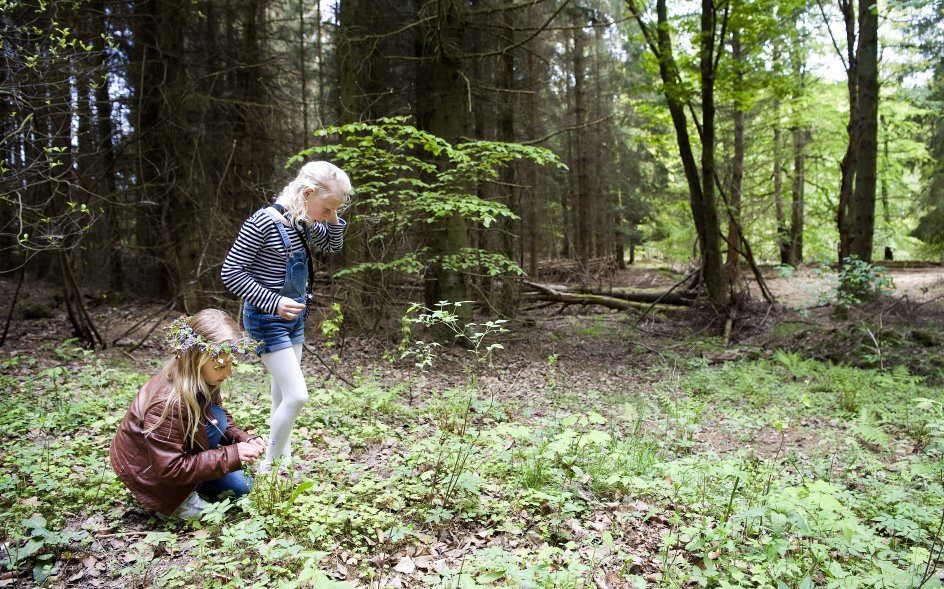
x: 192, y: 506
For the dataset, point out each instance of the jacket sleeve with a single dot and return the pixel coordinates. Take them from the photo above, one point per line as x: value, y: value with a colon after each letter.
x: 235, y: 272
x: 173, y: 463
x: 328, y: 237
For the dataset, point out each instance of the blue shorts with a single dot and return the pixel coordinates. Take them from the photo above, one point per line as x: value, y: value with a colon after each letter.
x: 277, y: 333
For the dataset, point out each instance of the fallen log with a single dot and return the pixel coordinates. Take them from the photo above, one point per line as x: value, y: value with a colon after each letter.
x: 621, y: 299
x: 633, y: 295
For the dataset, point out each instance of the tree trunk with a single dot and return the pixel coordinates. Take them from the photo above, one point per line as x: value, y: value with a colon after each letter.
x: 705, y: 207
x: 116, y: 240
x: 509, y: 233
x: 302, y: 68
x: 444, y: 112
x: 862, y: 223
x: 847, y: 167
x: 582, y: 211
x: 733, y: 265
x: 783, y: 243
x: 800, y: 139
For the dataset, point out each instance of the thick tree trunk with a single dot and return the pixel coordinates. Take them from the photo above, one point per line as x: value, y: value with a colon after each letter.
x: 702, y: 203
x: 705, y: 208
x: 862, y: 223
x: 116, y: 240
x: 157, y: 25
x: 509, y: 235
x: 444, y: 112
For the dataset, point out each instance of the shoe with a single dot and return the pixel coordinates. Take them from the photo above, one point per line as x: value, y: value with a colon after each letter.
x: 192, y: 506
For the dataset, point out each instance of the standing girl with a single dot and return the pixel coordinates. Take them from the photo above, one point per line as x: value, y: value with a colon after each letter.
x: 176, y: 438
x: 270, y: 268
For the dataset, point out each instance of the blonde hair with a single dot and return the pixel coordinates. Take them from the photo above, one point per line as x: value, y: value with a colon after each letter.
x: 189, y: 392
x: 328, y: 180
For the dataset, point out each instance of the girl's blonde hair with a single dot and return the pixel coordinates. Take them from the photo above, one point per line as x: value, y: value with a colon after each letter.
x: 328, y: 180
x: 190, y: 393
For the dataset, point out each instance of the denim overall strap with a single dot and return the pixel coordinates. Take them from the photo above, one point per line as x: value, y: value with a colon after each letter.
x: 296, y: 265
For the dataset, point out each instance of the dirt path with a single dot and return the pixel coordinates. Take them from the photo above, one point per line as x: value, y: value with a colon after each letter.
x: 806, y: 286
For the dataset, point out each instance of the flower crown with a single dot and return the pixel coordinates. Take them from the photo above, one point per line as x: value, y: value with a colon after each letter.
x: 181, y: 337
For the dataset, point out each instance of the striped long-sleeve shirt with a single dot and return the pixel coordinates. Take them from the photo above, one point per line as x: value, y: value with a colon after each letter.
x: 254, y: 268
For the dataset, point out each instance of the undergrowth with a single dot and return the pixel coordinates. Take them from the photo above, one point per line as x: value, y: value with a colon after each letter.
x: 778, y: 472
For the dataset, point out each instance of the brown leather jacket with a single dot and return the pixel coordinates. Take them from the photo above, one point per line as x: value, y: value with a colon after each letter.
x: 157, y: 467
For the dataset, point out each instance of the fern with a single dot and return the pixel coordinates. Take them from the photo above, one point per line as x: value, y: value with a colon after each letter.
x: 867, y: 431
x: 798, y: 367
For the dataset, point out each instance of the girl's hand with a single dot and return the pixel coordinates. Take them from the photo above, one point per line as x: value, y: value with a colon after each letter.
x: 257, y: 441
x: 288, y: 309
x: 249, y: 451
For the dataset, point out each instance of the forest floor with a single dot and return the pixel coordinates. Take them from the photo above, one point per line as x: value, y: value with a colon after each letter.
x: 596, y: 448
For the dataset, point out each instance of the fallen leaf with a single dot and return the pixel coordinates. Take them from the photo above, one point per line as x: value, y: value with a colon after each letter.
x: 89, y: 561
x: 76, y: 576
x: 407, y: 566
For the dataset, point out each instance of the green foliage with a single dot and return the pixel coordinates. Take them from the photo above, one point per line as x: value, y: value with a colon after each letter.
x: 807, y: 484
x: 856, y: 282
x: 406, y: 179
x: 41, y: 547
x: 446, y: 315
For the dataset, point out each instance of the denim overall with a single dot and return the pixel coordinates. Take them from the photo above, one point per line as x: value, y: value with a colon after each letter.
x: 276, y: 332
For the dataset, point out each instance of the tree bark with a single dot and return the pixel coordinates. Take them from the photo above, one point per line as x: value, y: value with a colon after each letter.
x: 444, y: 112
x: 583, y: 211
x: 862, y: 223
x: 733, y: 264
x: 800, y: 139
x: 705, y: 208
x: 783, y: 243
x: 847, y: 167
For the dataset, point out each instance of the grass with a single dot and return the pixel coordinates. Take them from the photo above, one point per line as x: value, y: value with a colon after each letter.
x: 778, y: 472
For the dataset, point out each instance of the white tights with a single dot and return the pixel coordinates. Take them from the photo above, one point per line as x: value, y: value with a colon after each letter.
x: 289, y: 395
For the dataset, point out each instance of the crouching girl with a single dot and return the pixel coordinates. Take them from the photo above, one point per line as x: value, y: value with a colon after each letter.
x: 176, y: 439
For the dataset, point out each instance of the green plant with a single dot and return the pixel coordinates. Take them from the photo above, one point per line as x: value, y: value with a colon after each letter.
x: 404, y: 173
x: 857, y: 281
x: 41, y: 546
x: 274, y: 494
x: 785, y: 271
x: 332, y: 328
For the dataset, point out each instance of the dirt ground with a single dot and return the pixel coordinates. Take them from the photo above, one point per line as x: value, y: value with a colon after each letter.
x: 592, y: 344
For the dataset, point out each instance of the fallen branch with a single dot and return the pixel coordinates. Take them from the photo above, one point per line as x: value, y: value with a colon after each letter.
x: 616, y: 297
x: 621, y: 299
